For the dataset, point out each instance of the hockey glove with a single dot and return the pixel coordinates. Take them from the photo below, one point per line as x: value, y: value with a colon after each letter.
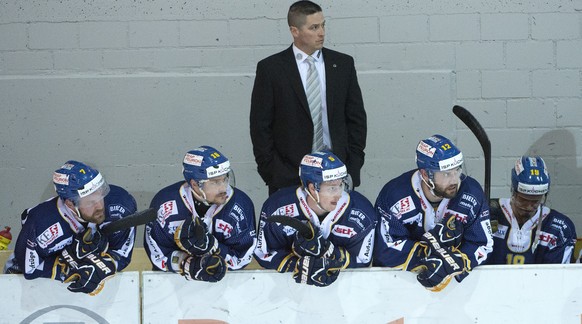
x: 323, y: 271
x: 193, y: 237
x: 315, y: 245
x: 448, y: 233
x: 419, y: 251
x: 89, y: 242
x: 90, y: 275
x: 441, y: 266
x: 209, y: 267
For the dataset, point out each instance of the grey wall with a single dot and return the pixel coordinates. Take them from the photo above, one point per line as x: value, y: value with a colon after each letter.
x: 130, y: 86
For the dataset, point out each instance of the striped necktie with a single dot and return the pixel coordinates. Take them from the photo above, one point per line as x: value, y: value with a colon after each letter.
x: 313, y: 93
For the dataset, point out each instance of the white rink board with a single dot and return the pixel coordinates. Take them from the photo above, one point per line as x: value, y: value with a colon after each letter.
x: 490, y: 294
x: 49, y: 301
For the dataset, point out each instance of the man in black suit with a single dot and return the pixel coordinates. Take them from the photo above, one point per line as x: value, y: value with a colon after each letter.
x: 282, y: 128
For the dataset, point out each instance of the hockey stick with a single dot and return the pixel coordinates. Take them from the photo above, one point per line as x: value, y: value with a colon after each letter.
x: 466, y: 117
x: 139, y: 218
x: 298, y: 225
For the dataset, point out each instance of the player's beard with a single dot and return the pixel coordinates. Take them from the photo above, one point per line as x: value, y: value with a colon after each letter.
x: 97, y: 217
x: 449, y: 192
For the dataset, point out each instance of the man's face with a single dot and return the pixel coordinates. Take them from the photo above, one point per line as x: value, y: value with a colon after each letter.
x: 447, y: 182
x: 311, y: 35
x: 92, y: 208
x: 329, y: 194
x: 215, y: 189
x: 525, y: 206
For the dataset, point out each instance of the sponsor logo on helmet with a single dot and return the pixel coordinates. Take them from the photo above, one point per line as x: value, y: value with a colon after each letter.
x: 518, y: 167
x: 425, y: 149
x: 193, y: 159
x: 531, y: 189
x: 451, y: 163
x: 92, y: 186
x: 333, y: 174
x: 313, y: 161
x: 434, y: 139
x: 215, y: 171
x: 61, y: 179
x: 533, y: 162
x: 68, y: 166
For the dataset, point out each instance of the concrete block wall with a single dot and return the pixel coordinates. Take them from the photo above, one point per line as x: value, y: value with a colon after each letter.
x: 130, y: 86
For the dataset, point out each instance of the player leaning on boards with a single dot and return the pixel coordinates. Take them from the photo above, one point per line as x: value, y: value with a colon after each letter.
x: 434, y: 220
x: 520, y: 238
x: 204, y: 224
x: 340, y: 224
x: 60, y: 238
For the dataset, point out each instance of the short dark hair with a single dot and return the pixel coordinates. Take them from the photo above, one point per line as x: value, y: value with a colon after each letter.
x: 299, y: 10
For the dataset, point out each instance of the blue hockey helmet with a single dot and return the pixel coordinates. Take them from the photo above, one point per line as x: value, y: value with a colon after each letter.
x: 530, y: 176
x: 204, y: 163
x: 438, y: 153
x: 75, y: 180
x: 318, y: 167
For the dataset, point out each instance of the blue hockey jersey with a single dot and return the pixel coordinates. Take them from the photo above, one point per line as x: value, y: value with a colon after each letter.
x: 514, y: 244
x: 232, y: 224
x: 405, y: 214
x: 51, y: 226
x: 350, y: 225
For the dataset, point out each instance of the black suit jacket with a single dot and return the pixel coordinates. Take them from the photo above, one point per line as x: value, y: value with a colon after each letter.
x: 280, y: 121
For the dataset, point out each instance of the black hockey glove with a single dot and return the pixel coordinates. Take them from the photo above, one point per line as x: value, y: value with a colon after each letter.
x: 448, y: 233
x: 209, y: 267
x: 315, y: 245
x: 193, y: 237
x: 88, y: 242
x: 89, y: 276
x: 323, y: 271
x: 440, y: 266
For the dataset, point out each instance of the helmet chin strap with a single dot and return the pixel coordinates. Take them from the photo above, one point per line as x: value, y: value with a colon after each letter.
x: 201, y: 198
x: 316, y: 200
x: 76, y: 212
x: 431, y: 186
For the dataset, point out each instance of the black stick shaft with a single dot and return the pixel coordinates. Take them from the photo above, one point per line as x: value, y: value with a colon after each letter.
x: 466, y: 117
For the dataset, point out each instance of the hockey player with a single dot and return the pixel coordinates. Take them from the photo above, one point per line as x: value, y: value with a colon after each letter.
x: 204, y: 224
x: 520, y: 238
x: 341, y: 224
x: 60, y: 238
x: 434, y: 220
